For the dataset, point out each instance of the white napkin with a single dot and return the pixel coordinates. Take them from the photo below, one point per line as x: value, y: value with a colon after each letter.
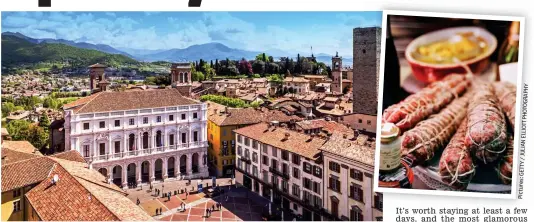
x: 508, y: 72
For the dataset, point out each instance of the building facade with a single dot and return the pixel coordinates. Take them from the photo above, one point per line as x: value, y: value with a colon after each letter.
x: 222, y: 121
x: 348, y: 165
x: 283, y: 166
x: 298, y: 85
x: 139, y: 136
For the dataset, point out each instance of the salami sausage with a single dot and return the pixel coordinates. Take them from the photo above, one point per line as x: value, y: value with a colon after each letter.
x: 430, y: 135
x: 486, y: 125
x: 504, y: 168
x: 506, y: 93
x: 456, y: 166
x: 428, y: 101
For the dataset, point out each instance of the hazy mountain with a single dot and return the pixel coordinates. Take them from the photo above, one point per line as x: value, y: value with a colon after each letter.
x: 208, y: 51
x: 83, y: 45
x: 17, y: 50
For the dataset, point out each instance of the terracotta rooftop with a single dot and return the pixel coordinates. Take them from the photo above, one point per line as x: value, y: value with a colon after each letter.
x: 338, y: 145
x: 331, y: 99
x: 4, y: 132
x: 80, y: 194
x: 71, y: 155
x: 30, y: 170
x: 330, y: 126
x: 244, y: 116
x: 21, y: 146
x: 296, y: 79
x: 183, y: 65
x: 97, y: 65
x: 298, y: 143
x: 314, y: 76
x: 128, y: 100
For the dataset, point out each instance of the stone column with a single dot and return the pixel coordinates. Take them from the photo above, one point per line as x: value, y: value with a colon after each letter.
x: 138, y: 172
x: 124, y: 176
x: 189, y: 168
x: 164, y: 139
x: 164, y: 167
x: 109, y: 175
x: 94, y: 148
x: 109, y: 147
x: 177, y: 166
x: 140, y: 147
x: 152, y: 170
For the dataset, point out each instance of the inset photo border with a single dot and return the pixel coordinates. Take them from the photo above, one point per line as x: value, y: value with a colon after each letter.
x: 440, y: 74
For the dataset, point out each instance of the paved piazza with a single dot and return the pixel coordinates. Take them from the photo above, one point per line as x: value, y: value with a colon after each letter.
x: 238, y: 204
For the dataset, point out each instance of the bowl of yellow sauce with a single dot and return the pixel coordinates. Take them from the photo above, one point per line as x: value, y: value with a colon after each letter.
x: 434, y: 55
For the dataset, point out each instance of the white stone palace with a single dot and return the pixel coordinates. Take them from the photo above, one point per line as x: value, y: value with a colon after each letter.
x: 139, y: 136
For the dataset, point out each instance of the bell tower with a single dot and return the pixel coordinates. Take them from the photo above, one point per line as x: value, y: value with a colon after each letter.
x: 337, y: 76
x: 97, y: 79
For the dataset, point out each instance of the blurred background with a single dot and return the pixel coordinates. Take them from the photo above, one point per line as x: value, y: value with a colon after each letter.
x: 406, y: 28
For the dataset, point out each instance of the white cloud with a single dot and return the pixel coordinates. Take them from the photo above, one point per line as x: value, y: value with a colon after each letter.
x: 125, y: 32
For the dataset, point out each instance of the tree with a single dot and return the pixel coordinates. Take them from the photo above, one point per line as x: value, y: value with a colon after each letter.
x: 18, y: 129
x: 245, y: 67
x: 44, y: 121
x: 197, y: 76
x: 271, y: 59
x: 37, y: 136
x: 261, y: 57
x: 7, y: 108
x: 217, y: 70
x: 258, y: 67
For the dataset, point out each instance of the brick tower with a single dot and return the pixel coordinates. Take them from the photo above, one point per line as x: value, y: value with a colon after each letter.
x: 337, y: 77
x: 366, y: 57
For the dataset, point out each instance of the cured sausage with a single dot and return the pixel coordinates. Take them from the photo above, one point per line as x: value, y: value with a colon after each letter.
x: 486, y: 125
x: 456, y: 166
x: 504, y: 168
x: 430, y: 135
x: 506, y: 93
x: 426, y: 102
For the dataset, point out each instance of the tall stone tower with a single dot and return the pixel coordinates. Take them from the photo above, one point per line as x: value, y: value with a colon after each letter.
x: 181, y: 77
x: 366, y: 62
x: 97, y: 79
x: 337, y: 77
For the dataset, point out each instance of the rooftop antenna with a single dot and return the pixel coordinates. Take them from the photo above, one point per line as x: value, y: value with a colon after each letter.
x: 55, y: 179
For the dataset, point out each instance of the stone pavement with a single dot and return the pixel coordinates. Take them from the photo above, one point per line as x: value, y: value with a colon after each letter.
x: 238, y: 204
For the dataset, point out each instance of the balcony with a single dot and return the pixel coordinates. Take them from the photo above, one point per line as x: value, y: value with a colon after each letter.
x: 141, y: 152
x: 277, y: 172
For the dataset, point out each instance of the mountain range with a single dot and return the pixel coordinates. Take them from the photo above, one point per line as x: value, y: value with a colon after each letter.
x: 207, y: 51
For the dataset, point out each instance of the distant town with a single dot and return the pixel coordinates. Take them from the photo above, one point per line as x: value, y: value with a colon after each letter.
x: 285, y: 138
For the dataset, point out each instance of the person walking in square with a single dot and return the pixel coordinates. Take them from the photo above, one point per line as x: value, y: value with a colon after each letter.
x: 157, y: 211
x: 206, y: 212
x: 138, y: 202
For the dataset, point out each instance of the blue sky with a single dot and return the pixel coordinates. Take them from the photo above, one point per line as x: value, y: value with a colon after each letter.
x: 327, y: 32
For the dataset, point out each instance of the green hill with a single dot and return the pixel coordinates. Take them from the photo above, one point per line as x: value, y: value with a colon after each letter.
x: 18, y: 51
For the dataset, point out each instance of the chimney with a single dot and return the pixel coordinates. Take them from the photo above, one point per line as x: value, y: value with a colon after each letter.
x: 356, y: 133
x: 286, y: 136
x: 226, y: 109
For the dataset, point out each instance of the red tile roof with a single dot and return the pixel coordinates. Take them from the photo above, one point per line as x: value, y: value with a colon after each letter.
x: 353, y: 149
x: 296, y: 142
x: 81, y: 194
x: 21, y: 146
x: 71, y: 155
x: 12, y: 156
x: 25, y: 172
x: 113, y: 101
x: 245, y: 116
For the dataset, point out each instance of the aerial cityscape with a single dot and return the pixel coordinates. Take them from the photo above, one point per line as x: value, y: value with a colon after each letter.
x: 189, y: 116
